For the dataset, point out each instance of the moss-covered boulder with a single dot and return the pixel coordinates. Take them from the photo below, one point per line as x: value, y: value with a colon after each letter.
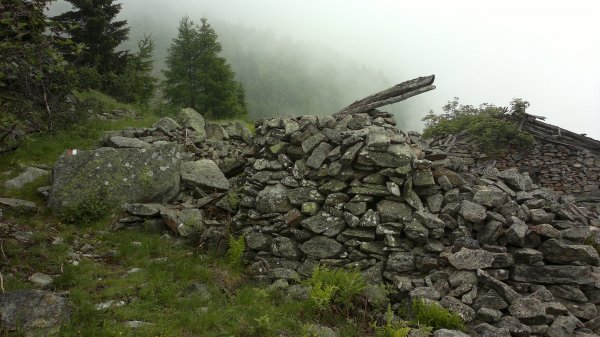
x: 116, y: 176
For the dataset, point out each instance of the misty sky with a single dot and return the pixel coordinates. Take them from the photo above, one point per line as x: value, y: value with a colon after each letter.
x: 547, y: 52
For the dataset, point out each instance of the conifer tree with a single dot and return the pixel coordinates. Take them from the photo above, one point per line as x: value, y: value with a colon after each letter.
x: 93, y: 22
x: 198, y: 77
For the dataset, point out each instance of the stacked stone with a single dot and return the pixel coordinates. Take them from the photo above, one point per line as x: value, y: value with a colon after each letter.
x: 225, y: 143
x: 352, y: 191
x: 561, y: 168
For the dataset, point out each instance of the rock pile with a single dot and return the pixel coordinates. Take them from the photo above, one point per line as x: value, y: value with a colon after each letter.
x: 352, y: 191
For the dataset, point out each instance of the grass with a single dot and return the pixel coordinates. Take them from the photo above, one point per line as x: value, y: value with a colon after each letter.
x: 232, y: 305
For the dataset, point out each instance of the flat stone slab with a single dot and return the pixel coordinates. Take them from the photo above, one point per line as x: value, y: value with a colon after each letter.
x: 116, y: 176
x: 204, y: 173
x: 29, y: 175
x: 18, y: 203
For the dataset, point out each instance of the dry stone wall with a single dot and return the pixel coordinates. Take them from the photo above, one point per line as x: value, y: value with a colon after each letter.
x: 562, y: 168
x: 352, y: 191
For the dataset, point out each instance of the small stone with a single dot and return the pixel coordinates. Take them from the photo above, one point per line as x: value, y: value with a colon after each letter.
x: 41, y: 280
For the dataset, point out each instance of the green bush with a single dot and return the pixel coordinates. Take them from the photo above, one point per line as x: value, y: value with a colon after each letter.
x: 392, y: 327
x: 85, y: 212
x: 335, y: 287
x: 436, y: 316
x: 487, y: 124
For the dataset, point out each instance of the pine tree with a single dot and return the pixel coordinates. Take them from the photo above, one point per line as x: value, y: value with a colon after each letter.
x: 93, y: 23
x: 198, y: 77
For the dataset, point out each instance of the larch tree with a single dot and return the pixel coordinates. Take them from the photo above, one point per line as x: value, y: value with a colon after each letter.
x: 197, y: 77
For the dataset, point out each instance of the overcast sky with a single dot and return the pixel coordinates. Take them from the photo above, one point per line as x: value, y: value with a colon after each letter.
x: 547, y: 52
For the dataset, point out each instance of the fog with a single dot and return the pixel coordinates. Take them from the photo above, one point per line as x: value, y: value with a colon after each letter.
x: 546, y: 52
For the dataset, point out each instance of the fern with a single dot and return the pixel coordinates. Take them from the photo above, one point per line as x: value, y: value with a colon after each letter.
x: 236, y: 251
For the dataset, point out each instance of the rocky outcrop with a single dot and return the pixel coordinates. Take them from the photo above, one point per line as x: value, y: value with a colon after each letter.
x: 33, y: 312
x: 352, y: 191
x: 116, y: 175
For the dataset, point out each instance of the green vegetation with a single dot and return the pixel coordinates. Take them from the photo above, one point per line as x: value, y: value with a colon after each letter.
x: 197, y: 77
x: 335, y: 288
x: 85, y: 212
x: 487, y: 124
x: 236, y: 250
x: 434, y: 315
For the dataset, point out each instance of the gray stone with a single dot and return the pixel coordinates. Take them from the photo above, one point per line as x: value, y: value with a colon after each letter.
x: 18, y: 204
x: 560, y: 252
x: 285, y: 247
x: 552, y: 274
x: 569, y: 292
x: 258, y: 241
x: 396, y: 155
x: 489, y: 315
x: 377, y: 140
x: 144, y: 210
x: 516, y: 233
x: 311, y: 142
x: 30, y: 174
x: 429, y: 293
x: 458, y: 307
x: 191, y: 119
x: 516, y: 328
x: 116, y: 176
x: 126, y: 142
x: 33, y: 312
x: 204, y: 173
x: 41, y: 280
x: 416, y: 231
x: 539, y: 216
x: 369, y: 219
x: 472, y: 212
x: 321, y: 247
x: 514, y: 179
x: 273, y: 199
x: 434, y: 202
x: 563, y: 326
x: 167, y: 124
x: 490, y: 197
x: 318, y: 156
x: 350, y: 154
x: 215, y: 131
x: 528, y: 310
x: 300, y: 195
x: 429, y: 220
x: 190, y: 222
x: 238, y: 130
x: 449, y: 333
x: 471, y: 259
x: 490, y: 300
x: 324, y: 223
x: 400, y: 262
x: 423, y: 178
x: 487, y: 330
x: 391, y: 211
x: 509, y: 294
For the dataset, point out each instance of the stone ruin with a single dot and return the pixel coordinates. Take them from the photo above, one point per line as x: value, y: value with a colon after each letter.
x: 352, y: 191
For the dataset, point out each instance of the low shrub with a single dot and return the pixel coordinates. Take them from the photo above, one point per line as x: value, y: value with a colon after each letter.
x: 85, y: 212
x: 335, y: 287
x: 435, y: 316
x: 236, y: 250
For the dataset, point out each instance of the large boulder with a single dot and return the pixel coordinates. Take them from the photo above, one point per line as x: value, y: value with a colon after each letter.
x: 116, y: 176
x: 204, y: 173
x: 33, y: 312
x: 191, y: 119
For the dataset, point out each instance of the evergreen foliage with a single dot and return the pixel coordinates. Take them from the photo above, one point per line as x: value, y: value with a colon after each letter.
x: 335, y: 288
x: 198, y: 77
x: 93, y: 22
x: 35, y: 79
x: 487, y: 124
x: 136, y: 84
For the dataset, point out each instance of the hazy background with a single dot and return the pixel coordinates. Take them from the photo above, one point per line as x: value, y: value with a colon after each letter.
x: 546, y: 52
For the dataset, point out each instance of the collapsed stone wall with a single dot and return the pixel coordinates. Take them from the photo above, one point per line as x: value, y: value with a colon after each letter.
x: 352, y: 191
x: 562, y: 168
